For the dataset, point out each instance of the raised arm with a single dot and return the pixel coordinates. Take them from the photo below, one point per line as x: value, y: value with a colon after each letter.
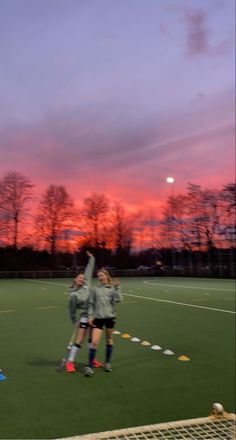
x: 91, y: 306
x: 89, y: 269
x: 117, y: 294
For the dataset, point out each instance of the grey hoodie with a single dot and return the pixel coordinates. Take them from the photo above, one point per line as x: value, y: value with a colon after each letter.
x: 78, y: 296
x: 102, y: 300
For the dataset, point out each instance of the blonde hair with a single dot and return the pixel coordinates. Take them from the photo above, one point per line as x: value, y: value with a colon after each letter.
x: 109, y: 278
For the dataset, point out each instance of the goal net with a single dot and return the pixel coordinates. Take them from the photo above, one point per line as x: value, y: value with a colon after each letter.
x: 214, y: 427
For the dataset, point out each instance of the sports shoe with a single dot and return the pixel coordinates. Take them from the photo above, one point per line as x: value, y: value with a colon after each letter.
x: 97, y: 364
x: 88, y: 371
x: 70, y: 367
x: 107, y: 367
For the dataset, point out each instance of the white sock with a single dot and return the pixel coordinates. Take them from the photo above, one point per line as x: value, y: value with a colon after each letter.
x: 73, y: 352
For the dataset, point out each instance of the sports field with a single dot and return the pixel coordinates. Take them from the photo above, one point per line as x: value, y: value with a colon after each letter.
x: 190, y: 317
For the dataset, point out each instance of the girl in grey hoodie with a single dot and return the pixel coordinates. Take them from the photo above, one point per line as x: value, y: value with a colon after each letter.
x: 78, y: 300
x: 101, y: 313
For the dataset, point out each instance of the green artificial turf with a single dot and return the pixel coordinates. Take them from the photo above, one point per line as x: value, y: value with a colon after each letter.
x: 145, y: 386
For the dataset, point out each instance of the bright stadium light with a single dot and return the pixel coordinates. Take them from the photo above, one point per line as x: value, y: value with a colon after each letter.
x: 170, y: 179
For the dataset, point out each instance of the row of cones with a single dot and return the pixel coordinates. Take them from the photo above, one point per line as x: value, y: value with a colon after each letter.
x: 148, y: 344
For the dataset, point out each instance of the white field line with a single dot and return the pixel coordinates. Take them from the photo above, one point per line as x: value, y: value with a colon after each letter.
x: 189, y: 287
x: 7, y: 311
x: 181, y: 304
x: 48, y: 282
x: 47, y: 307
x: 152, y: 299
x: 147, y: 282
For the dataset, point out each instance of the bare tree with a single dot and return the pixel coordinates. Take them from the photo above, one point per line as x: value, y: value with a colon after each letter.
x: 4, y: 228
x: 203, y: 209
x: 139, y: 229
x: 54, y: 211
x: 121, y: 227
x: 16, y: 191
x: 228, y: 212
x: 196, y: 214
x: 175, y: 225
x: 228, y: 197
x: 95, y: 209
x: 211, y: 202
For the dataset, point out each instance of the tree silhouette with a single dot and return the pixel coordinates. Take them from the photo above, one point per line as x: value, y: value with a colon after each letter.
x: 54, y: 211
x: 121, y: 227
x: 15, y: 193
x: 95, y: 209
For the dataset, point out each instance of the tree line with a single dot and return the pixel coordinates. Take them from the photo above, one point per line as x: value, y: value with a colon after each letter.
x: 200, y: 218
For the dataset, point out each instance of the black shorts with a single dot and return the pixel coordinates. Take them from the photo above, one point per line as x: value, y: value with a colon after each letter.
x: 104, y: 322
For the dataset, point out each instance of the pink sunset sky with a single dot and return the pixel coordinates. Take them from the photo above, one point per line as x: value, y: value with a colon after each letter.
x: 114, y: 96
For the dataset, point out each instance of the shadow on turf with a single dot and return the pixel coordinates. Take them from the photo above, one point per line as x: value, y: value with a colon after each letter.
x: 42, y: 362
x: 124, y: 361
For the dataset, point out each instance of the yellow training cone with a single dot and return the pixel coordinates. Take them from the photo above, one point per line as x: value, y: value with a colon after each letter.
x: 145, y: 343
x: 126, y: 336
x: 183, y: 358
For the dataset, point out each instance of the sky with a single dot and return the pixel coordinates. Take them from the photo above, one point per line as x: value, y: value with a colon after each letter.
x: 113, y: 96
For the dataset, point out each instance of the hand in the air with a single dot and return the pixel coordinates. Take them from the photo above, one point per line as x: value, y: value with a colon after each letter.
x: 116, y: 282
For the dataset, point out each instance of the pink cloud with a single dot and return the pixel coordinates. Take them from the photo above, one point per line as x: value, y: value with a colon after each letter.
x: 126, y: 163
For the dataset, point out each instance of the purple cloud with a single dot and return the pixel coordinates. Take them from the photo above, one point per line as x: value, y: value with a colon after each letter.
x: 197, y: 36
x: 198, y: 39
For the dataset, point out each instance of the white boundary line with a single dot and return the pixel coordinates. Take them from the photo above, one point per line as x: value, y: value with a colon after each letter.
x: 181, y: 304
x: 188, y: 287
x: 151, y: 299
x: 146, y: 282
x: 48, y: 282
x: 47, y: 307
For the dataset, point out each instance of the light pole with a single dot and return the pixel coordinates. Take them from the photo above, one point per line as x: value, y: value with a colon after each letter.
x: 171, y: 181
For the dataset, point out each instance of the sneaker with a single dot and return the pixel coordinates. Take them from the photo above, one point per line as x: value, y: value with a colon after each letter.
x: 107, y: 367
x: 88, y: 371
x: 70, y: 367
x: 97, y: 364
